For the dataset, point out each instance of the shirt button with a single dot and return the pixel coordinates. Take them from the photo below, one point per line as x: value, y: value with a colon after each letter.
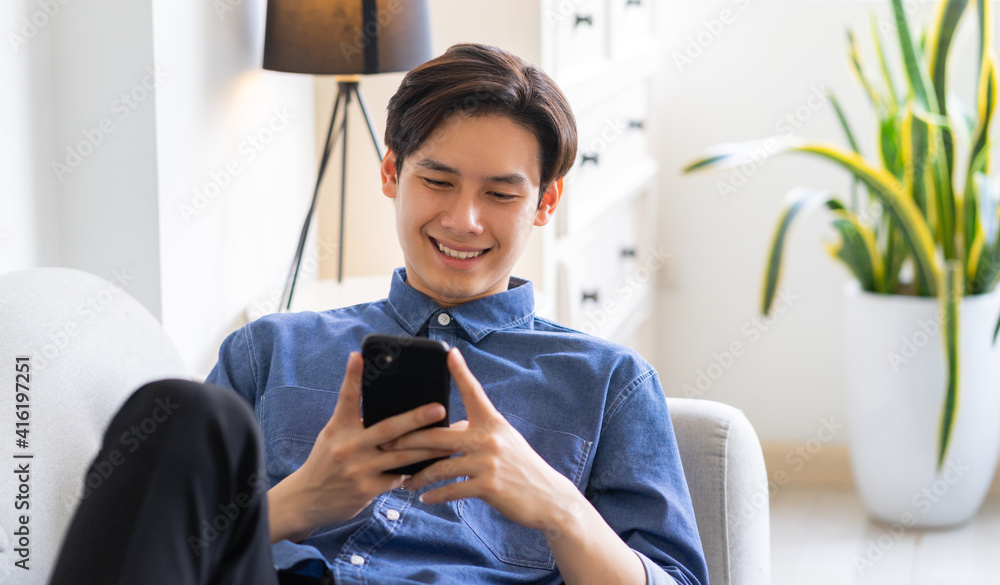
x: 444, y: 318
x: 357, y: 560
x: 392, y: 515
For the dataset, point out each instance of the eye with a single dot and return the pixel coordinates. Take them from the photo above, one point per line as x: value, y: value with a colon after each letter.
x: 434, y: 183
x: 503, y: 196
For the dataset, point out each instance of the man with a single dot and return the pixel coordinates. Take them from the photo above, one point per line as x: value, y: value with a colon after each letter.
x: 562, y: 465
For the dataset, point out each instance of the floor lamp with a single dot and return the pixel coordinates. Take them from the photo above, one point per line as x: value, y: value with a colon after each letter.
x: 345, y: 38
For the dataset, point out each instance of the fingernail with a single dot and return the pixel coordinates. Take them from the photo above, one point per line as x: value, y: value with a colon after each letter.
x: 421, y: 498
x: 435, y: 411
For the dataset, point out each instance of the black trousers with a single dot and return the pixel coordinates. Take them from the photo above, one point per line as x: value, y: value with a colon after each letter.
x: 177, y: 494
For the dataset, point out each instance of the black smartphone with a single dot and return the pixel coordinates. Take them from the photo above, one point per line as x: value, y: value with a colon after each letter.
x: 402, y: 373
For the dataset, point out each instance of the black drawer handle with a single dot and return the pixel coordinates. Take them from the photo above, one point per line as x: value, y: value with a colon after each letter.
x: 590, y: 296
x: 628, y: 252
x: 633, y: 2
x: 637, y: 124
x: 588, y: 19
x: 589, y: 158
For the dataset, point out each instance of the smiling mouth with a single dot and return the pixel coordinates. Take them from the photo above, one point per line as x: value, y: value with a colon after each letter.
x: 456, y: 254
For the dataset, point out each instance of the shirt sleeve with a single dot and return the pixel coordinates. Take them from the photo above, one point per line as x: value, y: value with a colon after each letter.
x: 637, y: 484
x: 236, y: 367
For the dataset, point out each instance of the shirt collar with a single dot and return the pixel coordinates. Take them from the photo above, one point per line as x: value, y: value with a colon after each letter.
x: 508, y: 309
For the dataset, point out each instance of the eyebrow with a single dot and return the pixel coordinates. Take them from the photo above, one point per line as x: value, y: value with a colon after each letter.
x: 514, y: 179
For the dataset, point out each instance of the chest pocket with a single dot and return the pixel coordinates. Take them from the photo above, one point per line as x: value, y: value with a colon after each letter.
x: 510, y: 542
x: 291, y: 418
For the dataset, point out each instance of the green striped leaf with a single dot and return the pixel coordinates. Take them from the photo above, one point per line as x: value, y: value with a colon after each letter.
x: 916, y: 75
x: 916, y: 151
x: 986, y: 103
x: 850, y: 139
x: 894, y: 199
x: 951, y: 297
x: 893, y: 101
x: 859, y: 70
x: 882, y: 185
x: 889, y: 140
x: 858, y: 251
x: 946, y: 21
x: 948, y: 17
x: 798, y: 202
x: 971, y: 227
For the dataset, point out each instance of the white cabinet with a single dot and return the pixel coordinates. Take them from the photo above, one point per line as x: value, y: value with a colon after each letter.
x: 602, y: 54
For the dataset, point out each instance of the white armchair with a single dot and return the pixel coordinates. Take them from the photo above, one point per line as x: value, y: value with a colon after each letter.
x: 86, y: 358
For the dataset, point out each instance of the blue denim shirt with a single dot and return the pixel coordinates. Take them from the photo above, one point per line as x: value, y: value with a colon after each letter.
x: 594, y: 410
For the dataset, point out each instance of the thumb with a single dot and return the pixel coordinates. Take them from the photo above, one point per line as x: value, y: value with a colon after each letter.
x: 477, y: 403
x: 348, y: 409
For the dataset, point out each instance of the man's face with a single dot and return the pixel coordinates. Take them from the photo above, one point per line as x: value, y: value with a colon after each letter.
x: 465, y: 204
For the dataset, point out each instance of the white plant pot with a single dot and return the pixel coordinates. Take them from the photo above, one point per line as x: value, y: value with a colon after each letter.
x: 895, y: 391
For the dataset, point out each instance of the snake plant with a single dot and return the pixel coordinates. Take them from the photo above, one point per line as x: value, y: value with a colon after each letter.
x: 933, y: 234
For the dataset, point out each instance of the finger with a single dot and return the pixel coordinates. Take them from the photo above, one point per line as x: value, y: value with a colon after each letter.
x: 348, y: 409
x: 434, y: 438
x: 451, y: 468
x: 391, y: 428
x: 477, y: 404
x: 394, y: 459
x: 457, y: 490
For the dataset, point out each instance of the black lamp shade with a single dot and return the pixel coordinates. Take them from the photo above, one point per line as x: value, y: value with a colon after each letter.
x: 345, y: 37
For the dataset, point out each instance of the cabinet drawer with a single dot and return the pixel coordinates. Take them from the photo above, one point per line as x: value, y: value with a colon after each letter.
x: 632, y: 110
x: 603, y: 277
x: 630, y: 28
x: 613, y: 158
x: 580, y: 35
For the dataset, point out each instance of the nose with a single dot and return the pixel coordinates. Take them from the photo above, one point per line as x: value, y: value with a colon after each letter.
x: 462, y: 217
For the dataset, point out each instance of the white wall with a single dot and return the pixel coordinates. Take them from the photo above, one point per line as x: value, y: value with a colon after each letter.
x: 21, y: 240
x: 758, y: 69
x: 154, y: 99
x: 236, y: 161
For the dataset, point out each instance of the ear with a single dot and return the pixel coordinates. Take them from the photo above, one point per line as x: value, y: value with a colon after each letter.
x: 390, y: 179
x: 550, y: 199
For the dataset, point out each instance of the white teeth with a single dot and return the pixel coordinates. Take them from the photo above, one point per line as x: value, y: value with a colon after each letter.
x: 456, y: 254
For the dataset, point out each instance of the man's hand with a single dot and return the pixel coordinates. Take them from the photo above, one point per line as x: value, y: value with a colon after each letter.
x: 344, y: 470
x: 504, y: 471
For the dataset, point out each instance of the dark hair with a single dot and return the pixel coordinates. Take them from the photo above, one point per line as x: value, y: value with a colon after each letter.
x: 480, y: 80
